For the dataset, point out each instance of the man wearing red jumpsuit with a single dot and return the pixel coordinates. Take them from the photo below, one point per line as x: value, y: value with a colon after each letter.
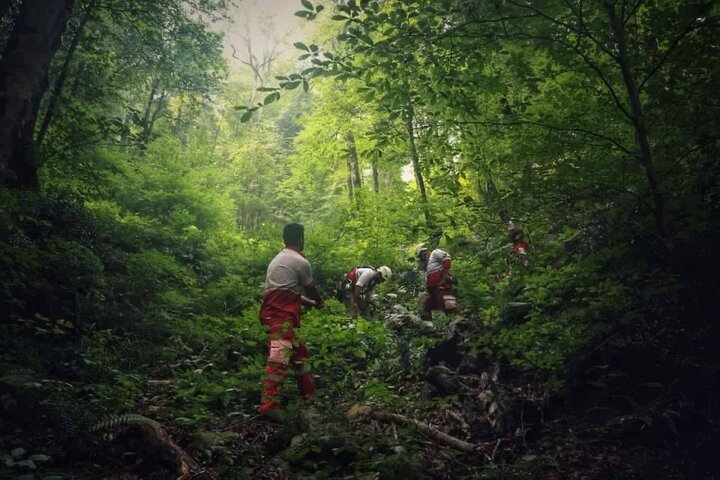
x: 439, y: 282
x: 288, y: 276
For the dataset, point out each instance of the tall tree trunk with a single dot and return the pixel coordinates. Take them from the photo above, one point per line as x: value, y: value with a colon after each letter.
x: 177, y: 128
x: 641, y: 133
x: 60, y: 82
x: 376, y: 176
x: 353, y: 159
x: 350, y: 178
x: 410, y: 116
x: 147, y: 114
x: 154, y: 116
x: 148, y: 105
x: 24, y: 66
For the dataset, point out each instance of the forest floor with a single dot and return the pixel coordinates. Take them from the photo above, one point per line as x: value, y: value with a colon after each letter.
x: 514, y: 429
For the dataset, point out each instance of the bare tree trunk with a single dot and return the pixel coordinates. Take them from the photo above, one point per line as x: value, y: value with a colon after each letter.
x: 641, y: 134
x: 416, y: 160
x: 178, y: 119
x: 375, y: 175
x: 60, y: 82
x: 155, y: 114
x: 350, y: 179
x: 24, y: 66
x: 353, y: 160
x: 261, y: 67
x: 148, y: 105
x: 149, y: 114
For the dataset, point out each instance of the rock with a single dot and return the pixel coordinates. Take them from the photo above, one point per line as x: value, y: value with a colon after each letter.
x: 451, y: 350
x: 7, y: 460
x: 470, y: 365
x: 40, y: 458
x: 444, y: 379
x: 457, y: 327
x: 17, y: 453
x: 481, y: 427
x: 402, y: 320
x: 448, y: 351
x: 27, y: 464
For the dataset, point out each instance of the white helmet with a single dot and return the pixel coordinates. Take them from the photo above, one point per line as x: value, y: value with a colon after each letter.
x: 385, y: 272
x: 419, y: 249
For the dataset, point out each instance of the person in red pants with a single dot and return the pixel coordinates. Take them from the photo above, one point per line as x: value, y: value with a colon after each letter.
x: 439, y: 281
x: 289, y: 275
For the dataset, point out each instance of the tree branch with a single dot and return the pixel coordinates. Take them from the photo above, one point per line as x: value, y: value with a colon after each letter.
x: 690, y: 28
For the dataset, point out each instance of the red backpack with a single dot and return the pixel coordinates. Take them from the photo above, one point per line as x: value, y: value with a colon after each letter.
x: 353, y: 273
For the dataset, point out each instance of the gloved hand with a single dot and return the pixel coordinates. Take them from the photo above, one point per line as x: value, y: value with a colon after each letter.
x: 453, y: 280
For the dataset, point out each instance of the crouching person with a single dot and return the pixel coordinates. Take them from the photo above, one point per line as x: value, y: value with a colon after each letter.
x: 363, y: 281
x: 289, y: 275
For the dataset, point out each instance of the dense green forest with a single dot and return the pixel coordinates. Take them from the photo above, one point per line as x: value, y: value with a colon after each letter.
x: 147, y: 177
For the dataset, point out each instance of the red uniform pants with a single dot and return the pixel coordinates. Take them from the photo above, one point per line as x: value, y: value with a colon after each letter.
x: 440, y: 294
x: 439, y: 298
x: 285, y: 350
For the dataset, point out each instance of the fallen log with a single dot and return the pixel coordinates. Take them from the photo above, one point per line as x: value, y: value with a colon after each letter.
x: 159, y: 445
x: 152, y: 440
x: 357, y: 411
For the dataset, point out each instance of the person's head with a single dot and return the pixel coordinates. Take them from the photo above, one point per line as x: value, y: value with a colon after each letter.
x: 294, y: 235
x: 421, y: 253
x: 384, y: 273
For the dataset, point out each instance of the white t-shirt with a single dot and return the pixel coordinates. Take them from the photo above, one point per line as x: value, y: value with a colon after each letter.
x: 288, y: 271
x: 364, y: 278
x: 435, y: 262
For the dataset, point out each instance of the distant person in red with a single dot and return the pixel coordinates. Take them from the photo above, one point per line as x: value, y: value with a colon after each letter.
x: 289, y: 275
x: 516, y: 233
x: 520, y: 247
x: 439, y: 281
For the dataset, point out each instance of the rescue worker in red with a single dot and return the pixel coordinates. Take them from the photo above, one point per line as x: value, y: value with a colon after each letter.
x: 517, y: 237
x: 363, y: 281
x: 520, y: 248
x: 289, y: 275
x: 439, y: 281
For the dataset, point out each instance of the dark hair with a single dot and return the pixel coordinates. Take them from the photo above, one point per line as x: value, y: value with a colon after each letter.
x: 294, y: 235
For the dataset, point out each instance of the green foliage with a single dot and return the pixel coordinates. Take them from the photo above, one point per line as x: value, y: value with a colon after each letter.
x: 166, y: 180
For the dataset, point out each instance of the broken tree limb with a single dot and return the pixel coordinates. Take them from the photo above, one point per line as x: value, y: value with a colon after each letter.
x: 357, y: 411
x: 158, y: 443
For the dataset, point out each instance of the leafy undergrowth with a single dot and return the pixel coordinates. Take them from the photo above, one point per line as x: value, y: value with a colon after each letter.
x: 203, y: 388
x: 559, y: 375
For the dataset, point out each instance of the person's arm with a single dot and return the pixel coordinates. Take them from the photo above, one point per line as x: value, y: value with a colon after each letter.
x: 446, y: 263
x: 313, y: 295
x: 306, y: 280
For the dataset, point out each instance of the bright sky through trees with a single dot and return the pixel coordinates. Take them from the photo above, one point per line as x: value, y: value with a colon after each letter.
x: 266, y: 20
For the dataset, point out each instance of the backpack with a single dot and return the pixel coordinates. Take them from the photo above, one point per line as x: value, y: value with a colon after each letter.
x: 353, y: 273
